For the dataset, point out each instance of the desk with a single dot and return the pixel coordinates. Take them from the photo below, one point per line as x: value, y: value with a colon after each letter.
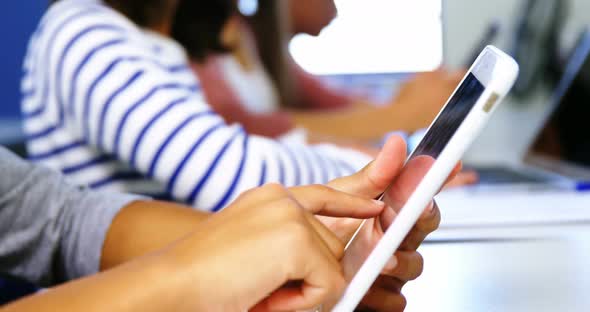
x: 550, y: 273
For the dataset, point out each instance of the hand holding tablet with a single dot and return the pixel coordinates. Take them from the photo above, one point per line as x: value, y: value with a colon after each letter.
x: 463, y: 117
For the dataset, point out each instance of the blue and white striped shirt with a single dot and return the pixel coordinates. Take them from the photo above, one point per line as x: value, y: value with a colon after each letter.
x: 116, y: 107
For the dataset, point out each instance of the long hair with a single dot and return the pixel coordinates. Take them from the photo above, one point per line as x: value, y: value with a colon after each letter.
x: 197, y: 25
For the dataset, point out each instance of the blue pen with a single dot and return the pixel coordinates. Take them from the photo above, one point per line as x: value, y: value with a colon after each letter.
x: 583, y: 186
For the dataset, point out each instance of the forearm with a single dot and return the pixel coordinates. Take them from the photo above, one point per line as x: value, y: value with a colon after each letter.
x: 144, y: 279
x: 145, y: 226
x: 149, y: 284
x: 358, y: 123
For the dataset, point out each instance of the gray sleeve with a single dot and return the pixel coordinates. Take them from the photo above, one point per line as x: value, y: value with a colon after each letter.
x: 50, y: 231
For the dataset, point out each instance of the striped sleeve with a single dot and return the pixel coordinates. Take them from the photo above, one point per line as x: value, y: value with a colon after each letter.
x: 130, y: 106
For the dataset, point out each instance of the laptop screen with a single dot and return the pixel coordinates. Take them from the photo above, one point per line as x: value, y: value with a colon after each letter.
x: 564, y: 140
x: 375, y: 37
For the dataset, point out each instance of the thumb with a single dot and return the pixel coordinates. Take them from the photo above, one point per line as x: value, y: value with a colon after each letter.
x: 372, y: 180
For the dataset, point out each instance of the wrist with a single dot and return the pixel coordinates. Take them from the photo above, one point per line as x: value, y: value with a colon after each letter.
x: 198, y: 277
x: 178, y: 266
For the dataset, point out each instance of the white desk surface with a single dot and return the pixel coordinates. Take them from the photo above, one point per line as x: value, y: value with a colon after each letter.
x: 464, y: 209
x: 544, y: 274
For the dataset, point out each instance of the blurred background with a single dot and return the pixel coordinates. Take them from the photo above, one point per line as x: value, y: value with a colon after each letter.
x: 416, y: 36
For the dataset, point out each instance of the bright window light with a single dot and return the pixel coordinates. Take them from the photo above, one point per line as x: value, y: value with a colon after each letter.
x: 375, y: 36
x: 248, y: 7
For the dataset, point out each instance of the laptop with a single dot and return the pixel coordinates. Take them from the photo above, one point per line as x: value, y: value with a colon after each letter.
x: 559, y: 154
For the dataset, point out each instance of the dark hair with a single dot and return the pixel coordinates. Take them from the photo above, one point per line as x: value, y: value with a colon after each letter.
x: 144, y: 13
x: 197, y: 25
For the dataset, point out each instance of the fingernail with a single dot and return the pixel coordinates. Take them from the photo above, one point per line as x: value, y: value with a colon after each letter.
x: 379, y: 203
x: 430, y: 207
x: 391, y: 264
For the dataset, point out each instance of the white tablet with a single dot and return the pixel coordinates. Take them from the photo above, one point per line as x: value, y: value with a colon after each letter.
x: 488, y: 81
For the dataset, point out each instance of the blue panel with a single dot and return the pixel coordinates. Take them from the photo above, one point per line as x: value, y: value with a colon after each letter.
x: 17, y: 22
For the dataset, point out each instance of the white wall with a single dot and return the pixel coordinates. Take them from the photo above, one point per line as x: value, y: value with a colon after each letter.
x: 466, y: 20
x: 579, y: 17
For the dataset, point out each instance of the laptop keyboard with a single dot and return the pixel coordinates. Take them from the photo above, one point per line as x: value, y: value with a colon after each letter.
x: 500, y: 175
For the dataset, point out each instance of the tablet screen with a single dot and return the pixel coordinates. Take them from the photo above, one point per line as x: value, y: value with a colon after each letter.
x: 449, y: 120
x: 435, y: 139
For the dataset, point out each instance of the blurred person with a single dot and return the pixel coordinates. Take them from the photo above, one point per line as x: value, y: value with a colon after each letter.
x: 226, y: 58
x: 109, y: 99
x: 54, y: 232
